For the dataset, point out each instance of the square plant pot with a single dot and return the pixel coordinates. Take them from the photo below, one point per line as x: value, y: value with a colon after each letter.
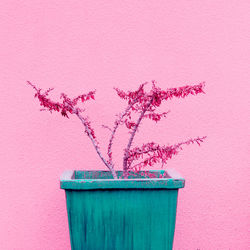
x: 122, y: 214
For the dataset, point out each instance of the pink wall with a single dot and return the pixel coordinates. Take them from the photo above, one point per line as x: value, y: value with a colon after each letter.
x: 76, y: 46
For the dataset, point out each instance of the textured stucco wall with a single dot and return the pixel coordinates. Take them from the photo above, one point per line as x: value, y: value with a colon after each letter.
x: 76, y: 46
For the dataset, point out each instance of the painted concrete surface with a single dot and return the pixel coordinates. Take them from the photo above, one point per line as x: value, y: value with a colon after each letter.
x: 77, y: 46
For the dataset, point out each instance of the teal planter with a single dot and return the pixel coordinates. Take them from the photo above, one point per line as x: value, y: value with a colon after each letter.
x: 125, y: 214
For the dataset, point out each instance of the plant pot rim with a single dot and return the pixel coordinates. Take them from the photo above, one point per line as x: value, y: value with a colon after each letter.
x: 76, y: 180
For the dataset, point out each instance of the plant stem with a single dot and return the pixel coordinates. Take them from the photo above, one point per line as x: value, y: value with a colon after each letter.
x: 125, y: 158
x: 117, y: 123
x: 110, y: 167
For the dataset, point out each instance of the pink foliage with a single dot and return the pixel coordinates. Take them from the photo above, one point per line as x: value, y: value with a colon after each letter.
x: 152, y: 153
x: 66, y: 106
x: 141, y: 104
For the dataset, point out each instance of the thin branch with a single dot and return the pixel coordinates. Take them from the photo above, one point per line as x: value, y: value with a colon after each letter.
x: 126, y: 153
x: 107, y: 127
x: 159, y: 153
x: 138, y: 95
x: 83, y: 120
x: 148, y: 160
x: 117, y: 123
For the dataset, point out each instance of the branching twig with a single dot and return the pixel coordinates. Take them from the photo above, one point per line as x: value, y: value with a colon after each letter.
x: 125, y: 157
x: 83, y: 120
x: 156, y: 153
x: 117, y: 123
x: 136, y: 95
x: 107, y: 127
x: 139, y: 102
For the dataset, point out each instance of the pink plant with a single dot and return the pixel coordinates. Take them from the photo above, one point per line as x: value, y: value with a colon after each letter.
x: 140, y: 103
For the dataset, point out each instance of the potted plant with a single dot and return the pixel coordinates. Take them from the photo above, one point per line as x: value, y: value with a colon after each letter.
x: 133, y: 208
